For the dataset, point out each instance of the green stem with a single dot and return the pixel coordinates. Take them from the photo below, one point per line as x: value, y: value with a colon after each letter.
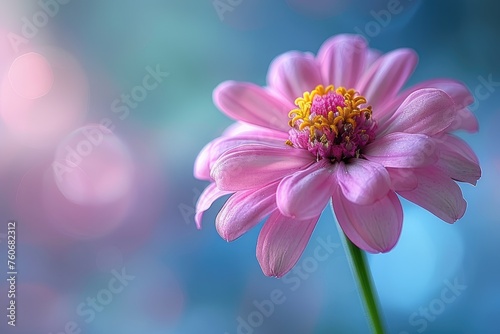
x: 361, y: 272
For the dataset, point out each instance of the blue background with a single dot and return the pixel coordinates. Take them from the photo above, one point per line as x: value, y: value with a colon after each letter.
x: 191, y: 281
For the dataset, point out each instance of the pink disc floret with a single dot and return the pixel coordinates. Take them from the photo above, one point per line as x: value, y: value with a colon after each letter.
x: 323, y: 104
x: 334, y: 129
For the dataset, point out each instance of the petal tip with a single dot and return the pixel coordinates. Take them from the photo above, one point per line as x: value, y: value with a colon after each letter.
x: 197, y: 218
x: 388, y: 248
x: 223, y: 233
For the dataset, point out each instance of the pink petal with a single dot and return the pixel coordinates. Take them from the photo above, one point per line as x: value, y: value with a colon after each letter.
x: 304, y: 194
x: 362, y: 181
x: 403, y: 150
x: 371, y: 56
x: 239, y: 129
x: 202, y: 163
x: 207, y: 197
x: 294, y: 73
x: 464, y: 120
x: 342, y: 60
x: 386, y: 76
x: 224, y: 144
x: 437, y: 193
x: 214, y: 149
x: 244, y: 210
x: 252, y: 104
x: 375, y: 227
x: 457, y: 159
x: 281, y: 243
x: 251, y: 166
x: 426, y: 111
x: 458, y: 92
x: 402, y: 179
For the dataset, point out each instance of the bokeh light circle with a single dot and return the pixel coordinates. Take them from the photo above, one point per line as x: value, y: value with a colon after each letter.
x: 93, y: 166
x: 31, y: 75
x: 41, y: 113
x: 78, y: 220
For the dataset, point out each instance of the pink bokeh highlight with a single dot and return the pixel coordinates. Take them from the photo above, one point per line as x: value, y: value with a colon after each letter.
x: 31, y: 75
x: 28, y: 192
x: 93, y: 166
x: 82, y: 221
x: 42, y: 112
x: 53, y: 221
x: 149, y: 198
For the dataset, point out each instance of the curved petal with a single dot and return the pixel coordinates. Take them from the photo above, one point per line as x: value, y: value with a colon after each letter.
x: 207, y: 197
x: 214, y: 149
x: 244, y: 210
x: 342, y: 60
x: 281, y: 243
x: 224, y: 144
x: 426, y: 111
x: 464, y: 120
x: 403, y: 150
x: 238, y: 129
x: 362, y: 181
x: 304, y: 194
x: 386, y: 76
x: 251, y: 166
x: 293, y: 73
x: 252, y: 104
x: 375, y: 227
x: 437, y: 193
x: 202, y: 163
x: 458, y: 92
x: 371, y: 57
x: 457, y: 159
x: 402, y: 179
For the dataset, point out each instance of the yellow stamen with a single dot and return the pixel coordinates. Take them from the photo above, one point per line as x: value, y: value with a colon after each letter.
x: 301, y: 117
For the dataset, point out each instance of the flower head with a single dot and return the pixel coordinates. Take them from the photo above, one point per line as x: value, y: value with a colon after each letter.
x: 336, y: 127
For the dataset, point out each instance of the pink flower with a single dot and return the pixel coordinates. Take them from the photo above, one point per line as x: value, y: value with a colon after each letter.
x: 336, y: 127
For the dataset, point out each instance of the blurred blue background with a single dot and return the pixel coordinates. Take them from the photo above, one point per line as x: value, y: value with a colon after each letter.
x: 121, y: 254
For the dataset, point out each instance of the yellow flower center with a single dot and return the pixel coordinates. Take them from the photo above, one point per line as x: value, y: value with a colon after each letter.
x: 331, y: 123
